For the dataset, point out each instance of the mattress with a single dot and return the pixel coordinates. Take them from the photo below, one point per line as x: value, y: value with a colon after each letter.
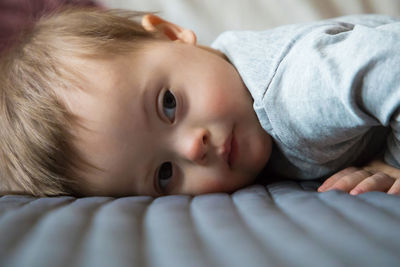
x: 281, y: 224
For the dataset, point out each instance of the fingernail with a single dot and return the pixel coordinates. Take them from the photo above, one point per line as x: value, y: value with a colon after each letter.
x: 355, y: 192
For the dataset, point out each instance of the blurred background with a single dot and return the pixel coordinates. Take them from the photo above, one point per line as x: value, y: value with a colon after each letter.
x: 208, y: 18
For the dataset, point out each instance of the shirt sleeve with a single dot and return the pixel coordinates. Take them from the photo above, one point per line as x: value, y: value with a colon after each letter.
x: 339, y: 81
x: 377, y: 84
x: 372, y: 52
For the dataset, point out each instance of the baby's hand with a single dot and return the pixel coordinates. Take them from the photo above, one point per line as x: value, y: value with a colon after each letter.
x: 357, y: 181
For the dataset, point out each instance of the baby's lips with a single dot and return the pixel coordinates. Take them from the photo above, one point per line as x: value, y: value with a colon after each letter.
x: 225, y: 149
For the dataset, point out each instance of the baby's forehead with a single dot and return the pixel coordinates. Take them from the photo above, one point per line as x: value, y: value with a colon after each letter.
x: 107, y: 88
x: 94, y: 77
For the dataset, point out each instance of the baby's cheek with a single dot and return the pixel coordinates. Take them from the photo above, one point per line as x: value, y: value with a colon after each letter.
x: 215, y: 102
x: 203, y: 185
x: 218, y: 97
x: 223, y: 183
x: 223, y: 110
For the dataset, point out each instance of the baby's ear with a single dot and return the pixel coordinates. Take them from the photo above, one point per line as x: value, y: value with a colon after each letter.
x: 173, y: 32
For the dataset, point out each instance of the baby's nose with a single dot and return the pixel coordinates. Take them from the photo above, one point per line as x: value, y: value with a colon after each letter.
x: 195, y: 145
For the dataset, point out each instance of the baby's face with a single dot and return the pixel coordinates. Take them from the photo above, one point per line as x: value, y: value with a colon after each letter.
x: 172, y: 119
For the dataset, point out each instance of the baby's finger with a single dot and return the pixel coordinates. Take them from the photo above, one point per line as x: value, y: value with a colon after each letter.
x: 350, y: 181
x: 334, y: 178
x: 377, y: 182
x: 395, y: 189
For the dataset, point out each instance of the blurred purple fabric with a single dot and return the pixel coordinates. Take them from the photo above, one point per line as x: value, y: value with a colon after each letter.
x: 17, y: 14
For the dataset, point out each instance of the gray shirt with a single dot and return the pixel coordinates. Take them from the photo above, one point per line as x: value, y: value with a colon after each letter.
x: 327, y: 92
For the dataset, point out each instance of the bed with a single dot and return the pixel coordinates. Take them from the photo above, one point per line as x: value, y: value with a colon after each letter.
x: 284, y: 223
x: 280, y: 224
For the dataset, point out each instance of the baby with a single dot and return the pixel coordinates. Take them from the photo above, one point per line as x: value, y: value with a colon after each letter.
x: 94, y: 103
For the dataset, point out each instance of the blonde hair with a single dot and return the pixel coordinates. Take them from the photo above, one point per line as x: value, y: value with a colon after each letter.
x: 37, y: 152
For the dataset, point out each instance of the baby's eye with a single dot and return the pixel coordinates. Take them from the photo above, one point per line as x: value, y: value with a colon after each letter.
x: 164, y: 175
x: 169, y: 105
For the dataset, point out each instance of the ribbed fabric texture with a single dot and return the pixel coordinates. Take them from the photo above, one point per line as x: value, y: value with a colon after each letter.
x: 282, y: 224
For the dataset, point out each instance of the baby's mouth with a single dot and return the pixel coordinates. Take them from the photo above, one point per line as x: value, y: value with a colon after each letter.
x: 233, y: 150
x: 225, y: 150
x: 228, y: 151
x: 230, y: 159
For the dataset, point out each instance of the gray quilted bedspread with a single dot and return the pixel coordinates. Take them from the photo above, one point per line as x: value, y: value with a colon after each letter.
x: 281, y: 224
